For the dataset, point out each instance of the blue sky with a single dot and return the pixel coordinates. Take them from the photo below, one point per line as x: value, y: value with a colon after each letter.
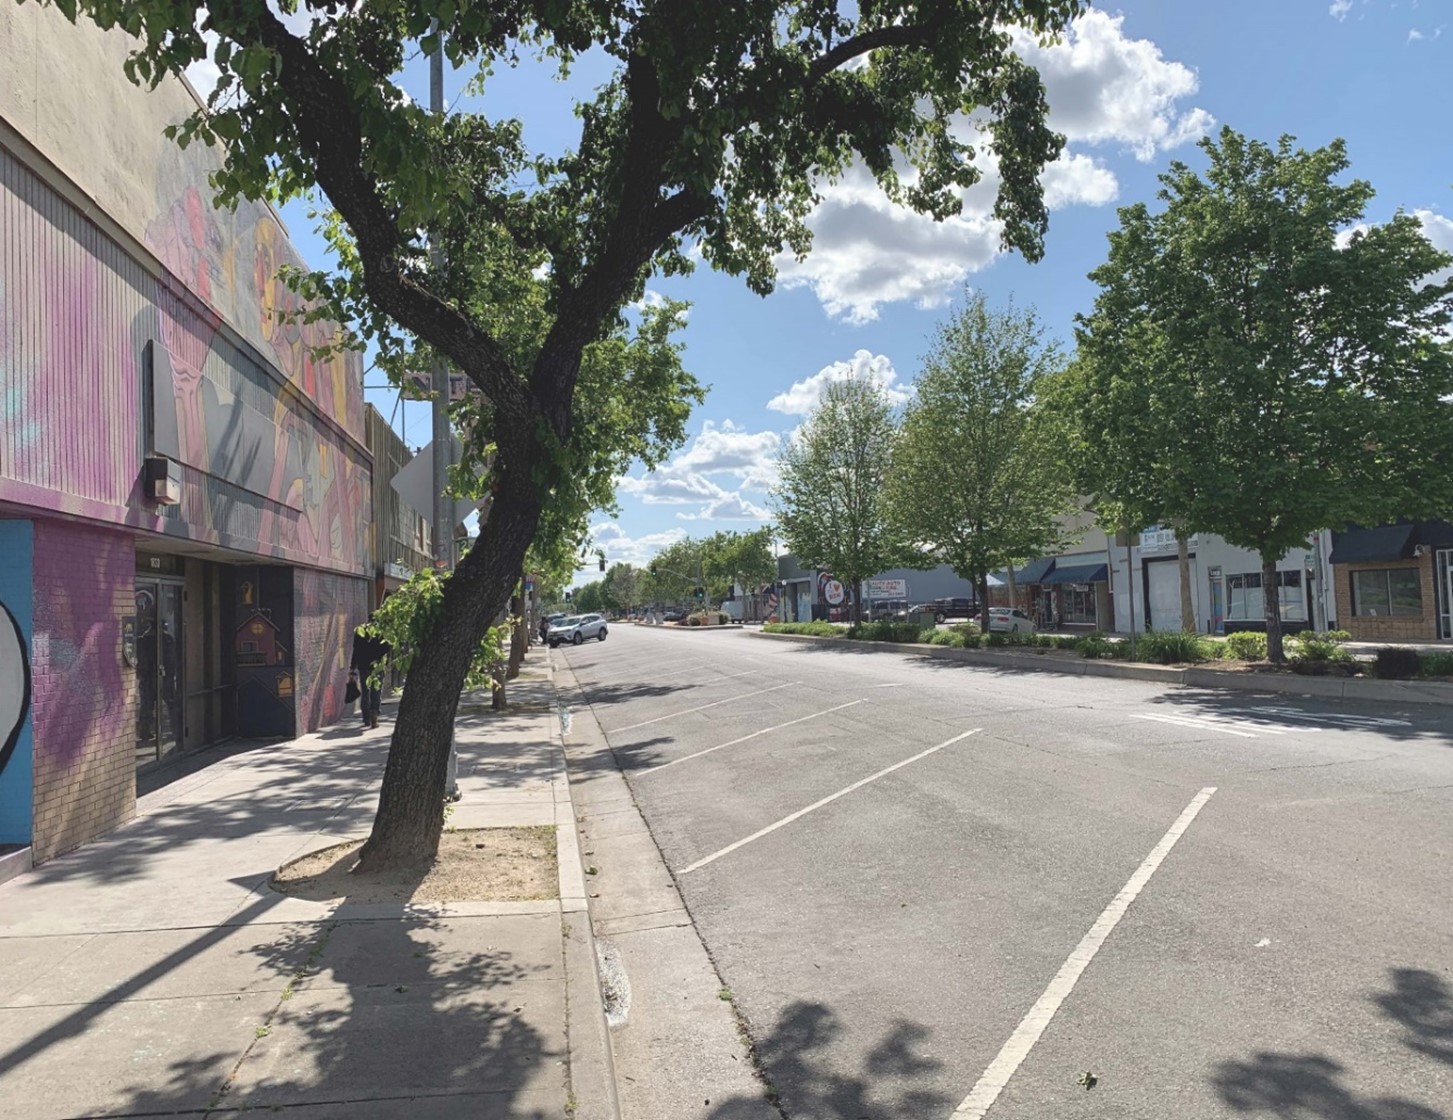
x: 1133, y: 88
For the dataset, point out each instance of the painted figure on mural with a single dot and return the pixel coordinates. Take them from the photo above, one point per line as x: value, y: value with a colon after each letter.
x: 14, y: 685
x: 189, y: 242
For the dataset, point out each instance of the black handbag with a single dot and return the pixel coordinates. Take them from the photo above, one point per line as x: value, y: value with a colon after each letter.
x: 351, y: 693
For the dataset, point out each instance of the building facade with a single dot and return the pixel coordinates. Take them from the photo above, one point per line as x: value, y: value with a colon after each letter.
x: 185, y: 523
x: 403, y: 540
x: 1394, y: 583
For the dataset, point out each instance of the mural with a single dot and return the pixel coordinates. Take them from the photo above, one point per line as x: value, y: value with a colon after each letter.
x: 14, y: 685
x: 262, y: 645
x: 329, y: 608
x: 16, y: 764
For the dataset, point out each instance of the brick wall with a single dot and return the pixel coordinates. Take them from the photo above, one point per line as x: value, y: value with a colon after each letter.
x: 326, y: 608
x: 84, y: 694
x: 1403, y: 628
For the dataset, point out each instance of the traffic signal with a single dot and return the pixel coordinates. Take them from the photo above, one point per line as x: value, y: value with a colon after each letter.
x: 700, y: 594
x: 567, y: 596
x: 653, y: 568
x: 602, y: 561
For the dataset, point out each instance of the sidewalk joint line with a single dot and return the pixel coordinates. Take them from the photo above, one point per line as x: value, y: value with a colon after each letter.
x: 859, y: 784
x: 983, y: 1095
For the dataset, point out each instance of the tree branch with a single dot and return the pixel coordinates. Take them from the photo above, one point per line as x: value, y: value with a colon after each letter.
x: 330, y: 130
x: 849, y: 49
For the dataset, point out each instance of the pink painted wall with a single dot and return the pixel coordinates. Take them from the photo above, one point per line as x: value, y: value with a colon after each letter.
x: 326, y: 610
x: 83, y: 702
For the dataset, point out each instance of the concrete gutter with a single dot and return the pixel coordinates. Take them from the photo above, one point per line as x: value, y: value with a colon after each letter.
x: 692, y: 629
x: 1337, y: 688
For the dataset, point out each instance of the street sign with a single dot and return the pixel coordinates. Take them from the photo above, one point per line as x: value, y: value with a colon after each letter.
x: 414, y: 483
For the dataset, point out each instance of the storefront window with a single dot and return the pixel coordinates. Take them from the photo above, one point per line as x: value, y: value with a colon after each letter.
x: 1079, y: 603
x: 1389, y: 592
x: 1246, y: 600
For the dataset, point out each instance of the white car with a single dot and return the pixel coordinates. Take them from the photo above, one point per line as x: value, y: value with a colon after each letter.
x: 1010, y: 620
x: 576, y: 628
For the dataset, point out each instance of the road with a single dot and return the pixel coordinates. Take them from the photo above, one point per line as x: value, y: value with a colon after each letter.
x: 916, y: 879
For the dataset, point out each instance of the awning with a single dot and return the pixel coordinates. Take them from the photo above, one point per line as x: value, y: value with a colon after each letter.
x: 1035, y: 570
x: 1078, y: 573
x: 1368, y: 546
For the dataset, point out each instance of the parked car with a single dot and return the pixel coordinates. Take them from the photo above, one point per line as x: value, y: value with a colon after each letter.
x: 1010, y: 620
x: 958, y: 607
x: 887, y: 610
x: 672, y: 614
x: 576, y: 628
x: 919, y: 609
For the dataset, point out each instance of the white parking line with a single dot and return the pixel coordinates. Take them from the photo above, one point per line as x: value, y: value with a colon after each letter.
x: 1002, y: 1068
x: 1203, y: 724
x: 744, y: 738
x: 687, y: 870
x: 702, y: 708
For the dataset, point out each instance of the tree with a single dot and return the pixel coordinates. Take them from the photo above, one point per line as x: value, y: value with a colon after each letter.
x: 730, y: 558
x: 979, y: 480
x: 592, y: 598
x: 676, y: 571
x: 1296, y: 361
x: 622, y: 584
x: 715, y: 128
x: 830, y: 503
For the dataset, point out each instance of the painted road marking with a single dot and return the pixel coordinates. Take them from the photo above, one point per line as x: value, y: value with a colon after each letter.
x: 819, y: 804
x: 702, y: 708
x: 744, y: 738
x: 1022, y: 1041
x: 1201, y: 724
x: 1336, y: 719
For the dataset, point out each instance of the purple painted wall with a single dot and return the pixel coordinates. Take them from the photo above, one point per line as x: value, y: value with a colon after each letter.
x: 327, y: 608
x: 83, y: 701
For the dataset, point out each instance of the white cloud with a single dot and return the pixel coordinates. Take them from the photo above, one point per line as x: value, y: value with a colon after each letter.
x: 1103, y: 89
x: 1339, y: 9
x: 204, y: 73
x: 802, y: 398
x: 729, y: 507
x: 651, y: 300
x: 1414, y: 35
x: 1439, y: 230
x: 620, y: 547
x: 717, y: 466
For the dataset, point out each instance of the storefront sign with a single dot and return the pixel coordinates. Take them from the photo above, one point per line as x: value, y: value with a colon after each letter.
x: 832, y: 591
x: 397, y: 571
x: 1156, y: 539
x: 887, y: 588
x: 128, y: 640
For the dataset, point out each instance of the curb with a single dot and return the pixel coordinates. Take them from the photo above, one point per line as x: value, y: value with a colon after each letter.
x: 1335, y: 688
x: 694, y: 629
x: 592, y: 1063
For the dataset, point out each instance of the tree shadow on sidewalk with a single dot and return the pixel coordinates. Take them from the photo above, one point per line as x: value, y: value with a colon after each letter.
x: 796, y: 1057
x: 1422, y: 1002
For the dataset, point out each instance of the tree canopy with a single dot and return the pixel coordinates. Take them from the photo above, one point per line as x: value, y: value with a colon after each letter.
x: 1272, y: 365
x: 979, y: 478
x: 738, y: 558
x: 831, y: 506
x: 714, y: 129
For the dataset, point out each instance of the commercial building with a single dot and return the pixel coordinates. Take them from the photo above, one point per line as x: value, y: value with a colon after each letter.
x: 185, y: 518
x: 1394, y: 583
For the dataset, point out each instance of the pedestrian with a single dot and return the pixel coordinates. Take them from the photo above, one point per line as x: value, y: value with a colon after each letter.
x: 369, y: 653
x: 544, y: 628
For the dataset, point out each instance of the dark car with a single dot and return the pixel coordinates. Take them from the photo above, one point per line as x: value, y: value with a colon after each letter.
x: 945, y: 609
x: 887, y: 610
x: 671, y: 614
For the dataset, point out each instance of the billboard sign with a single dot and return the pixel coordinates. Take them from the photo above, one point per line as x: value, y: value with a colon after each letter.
x: 887, y: 588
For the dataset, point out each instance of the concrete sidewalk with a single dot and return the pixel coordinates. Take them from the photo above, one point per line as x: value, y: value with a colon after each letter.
x: 155, y: 972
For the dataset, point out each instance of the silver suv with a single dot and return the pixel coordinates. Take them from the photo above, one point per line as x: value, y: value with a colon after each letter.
x: 576, y: 628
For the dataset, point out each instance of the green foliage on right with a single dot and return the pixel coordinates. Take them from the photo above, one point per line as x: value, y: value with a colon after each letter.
x: 407, y: 617
x: 1436, y: 665
x: 886, y: 632
x: 1246, y: 645
x: 811, y: 629
x: 1323, y: 646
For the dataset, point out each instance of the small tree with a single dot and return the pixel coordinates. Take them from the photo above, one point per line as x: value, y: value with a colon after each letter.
x: 1295, y: 364
x: 980, y: 479
x: 622, y: 585
x: 830, y: 503
x: 743, y: 559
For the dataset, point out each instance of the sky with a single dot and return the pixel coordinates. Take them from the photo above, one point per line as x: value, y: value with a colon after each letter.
x: 1132, y: 87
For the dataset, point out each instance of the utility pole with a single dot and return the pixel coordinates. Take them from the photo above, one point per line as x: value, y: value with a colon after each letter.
x: 444, y: 548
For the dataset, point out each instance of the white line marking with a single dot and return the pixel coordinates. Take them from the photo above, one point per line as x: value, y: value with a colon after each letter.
x: 1208, y: 725
x: 1002, y: 1068
x: 744, y: 738
x: 819, y: 804
x: 702, y: 708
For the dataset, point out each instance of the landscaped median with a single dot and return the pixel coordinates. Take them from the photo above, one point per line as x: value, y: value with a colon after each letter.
x: 1319, y: 664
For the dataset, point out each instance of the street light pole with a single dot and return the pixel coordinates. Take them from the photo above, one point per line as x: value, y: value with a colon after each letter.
x: 444, y: 548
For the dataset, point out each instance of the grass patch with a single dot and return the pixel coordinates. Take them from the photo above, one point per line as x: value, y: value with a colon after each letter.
x: 811, y: 629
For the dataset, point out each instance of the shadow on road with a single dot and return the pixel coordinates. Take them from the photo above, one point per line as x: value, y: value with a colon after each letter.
x: 1310, y: 1086
x: 811, y: 1083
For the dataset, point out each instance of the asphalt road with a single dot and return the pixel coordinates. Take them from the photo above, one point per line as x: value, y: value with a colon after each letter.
x: 936, y: 915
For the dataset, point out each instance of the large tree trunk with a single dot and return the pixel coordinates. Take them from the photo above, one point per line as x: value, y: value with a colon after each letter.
x: 411, y: 804
x: 1013, y: 587
x: 1271, y: 598
x: 1183, y: 561
x: 519, y: 639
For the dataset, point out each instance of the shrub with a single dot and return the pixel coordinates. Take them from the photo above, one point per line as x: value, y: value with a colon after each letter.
x: 812, y: 629
x: 1064, y: 641
x: 971, y: 639
x: 1437, y: 665
x: 995, y: 640
x: 886, y: 632
x: 1096, y: 646
x: 1246, y: 646
x: 1310, y: 645
x: 1396, y: 663
x: 937, y: 637
x: 1173, y: 647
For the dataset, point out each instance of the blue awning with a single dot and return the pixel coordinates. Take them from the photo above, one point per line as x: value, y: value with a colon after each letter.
x: 1078, y: 573
x: 1035, y: 570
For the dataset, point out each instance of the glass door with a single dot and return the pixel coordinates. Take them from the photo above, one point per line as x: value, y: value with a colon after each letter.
x: 1445, y: 588
x: 158, y: 669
